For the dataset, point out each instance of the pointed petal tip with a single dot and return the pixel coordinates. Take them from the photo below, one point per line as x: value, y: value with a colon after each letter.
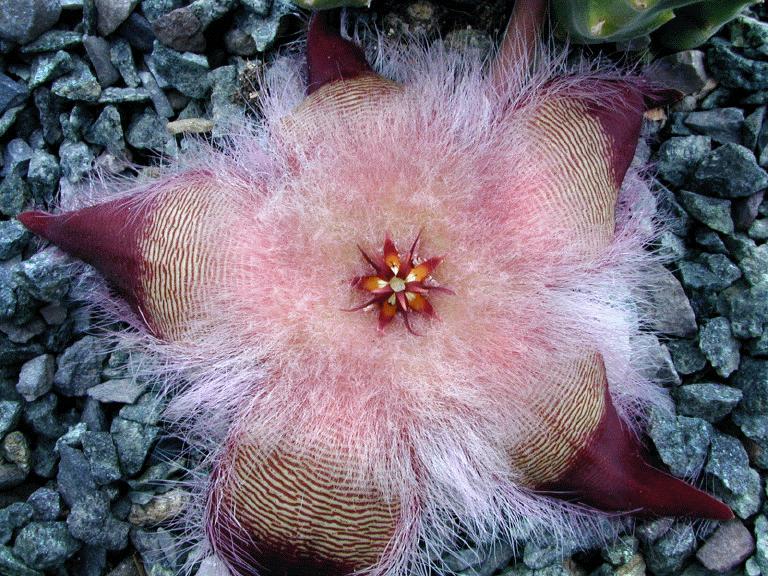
x: 36, y: 221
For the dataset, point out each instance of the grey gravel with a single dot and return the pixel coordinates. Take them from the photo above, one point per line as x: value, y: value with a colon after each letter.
x: 13, y: 517
x: 24, y: 20
x: 707, y: 400
x: 47, y: 67
x: 13, y: 238
x: 730, y: 171
x: 737, y: 483
x: 746, y: 210
x: 79, y: 368
x: 107, y: 131
x: 90, y: 520
x: 53, y: 40
x: 721, y: 124
x: 73, y: 479
x: 714, y: 212
x: 123, y: 95
x: 668, y: 553
x: 12, y: 93
x: 16, y: 155
x: 112, y: 13
x: 138, y: 31
x: 125, y: 391
x: 684, y: 71
x: 715, y: 272
x: 159, y: 99
x: 147, y: 131
x: 12, y: 565
x: 180, y: 30
x: 76, y: 160
x: 122, y: 58
x: 44, y: 545
x: 157, y: 549
x: 45, y: 503
x: 682, y: 442
x: 36, y: 377
x: 719, y: 346
x: 187, y: 72
x: 78, y: 85
x: 671, y: 311
x: 43, y: 175
x: 10, y: 412
x: 133, y: 441
x: 734, y: 70
x: 101, y: 454
x: 686, y: 356
x: 98, y: 51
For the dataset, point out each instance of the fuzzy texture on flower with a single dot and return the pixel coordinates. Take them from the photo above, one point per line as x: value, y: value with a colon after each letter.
x: 269, y: 372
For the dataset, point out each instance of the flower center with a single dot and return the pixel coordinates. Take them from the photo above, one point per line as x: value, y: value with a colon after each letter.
x: 399, y: 284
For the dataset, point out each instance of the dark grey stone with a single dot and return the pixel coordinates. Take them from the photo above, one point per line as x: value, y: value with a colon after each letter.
x: 44, y: 458
x: 263, y: 29
x: 747, y: 309
x: 74, y: 479
x: 223, y: 96
x: 735, y: 482
x: 180, y: 30
x: 761, y: 537
x: 752, y: 379
x: 714, y: 212
x: 122, y: 58
x: 668, y: 554
x: 730, y: 171
x: 80, y: 85
x: 90, y: 561
x: 52, y: 41
x: 13, y: 517
x: 48, y: 107
x: 102, y: 457
x: 239, y: 42
x: 671, y: 246
x: 112, y: 13
x: 93, y: 415
x: 686, y: 356
x: 682, y: 442
x: 158, y: 550
x: 159, y: 99
x: 11, y: 476
x: 45, y: 503
x: 133, y: 441
x: 123, y: 95
x: 759, y: 229
x: 24, y: 20
x: 44, y: 545
x: 260, y: 7
x: 707, y: 400
x: 43, y: 175
x: 153, y: 9
x: 671, y: 310
x: 148, y: 131
x: 752, y: 126
x: 16, y: 156
x: 683, y: 71
x: 719, y: 346
x: 74, y: 124
x: 40, y: 415
x: 734, y: 70
x: 76, y: 160
x: 186, y: 72
x: 750, y: 35
x: 47, y: 67
x: 90, y: 521
x: 721, y: 124
x: 22, y: 333
x: 98, y: 53
x: 107, y: 131
x: 36, y: 377
x: 148, y: 410
x: 8, y: 118
x: 79, y: 368
x: 755, y: 265
x: 659, y: 366
x: 14, y: 194
x: 12, y: 565
x: 138, y: 31
x: 13, y: 238
x: 10, y: 412
x: 621, y: 551
x: 12, y: 93
x: 714, y: 272
x: 745, y: 210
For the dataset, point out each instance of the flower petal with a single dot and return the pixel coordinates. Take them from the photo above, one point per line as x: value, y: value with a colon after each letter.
x: 373, y: 284
x: 387, y: 311
x: 391, y: 256
x: 418, y: 303
x: 423, y: 270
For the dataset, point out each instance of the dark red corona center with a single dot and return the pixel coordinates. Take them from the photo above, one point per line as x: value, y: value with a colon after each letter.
x: 399, y: 284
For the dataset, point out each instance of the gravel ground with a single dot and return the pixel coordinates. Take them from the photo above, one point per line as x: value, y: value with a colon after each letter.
x: 83, y: 454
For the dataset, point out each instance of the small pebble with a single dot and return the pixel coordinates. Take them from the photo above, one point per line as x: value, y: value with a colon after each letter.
x: 714, y: 212
x: 728, y: 547
x: 707, y: 400
x: 12, y: 93
x: 721, y: 124
x: 36, y: 377
x: 24, y: 20
x: 46, y: 504
x: 730, y: 171
x: 98, y: 51
x: 112, y: 13
x: 719, y: 346
x: 43, y: 545
x: 15, y: 449
x: 52, y: 41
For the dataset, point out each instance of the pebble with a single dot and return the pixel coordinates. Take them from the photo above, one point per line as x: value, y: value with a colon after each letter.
x: 79, y: 85
x: 122, y: 58
x: 43, y: 545
x: 745, y: 210
x: 53, y: 40
x: 659, y: 366
x: 707, y: 400
x: 752, y: 380
x: 159, y: 99
x: 684, y: 71
x: 148, y: 131
x: 123, y: 95
x: 160, y: 508
x: 36, y: 377
x: 79, y: 368
x: 225, y: 91
x: 721, y: 124
x: 714, y: 212
x: 682, y: 442
x: 147, y: 410
x: 180, y: 30
x: 186, y: 72
x: 111, y: 13
x: 107, y: 131
x: 719, y: 346
x: 16, y: 156
x: 674, y: 314
x: 125, y: 391
x: 90, y: 520
x: 10, y: 412
x: 13, y: 238
x: 739, y: 484
x: 24, y: 20
x: 755, y: 265
x: 734, y: 70
x: 98, y: 51
x: 138, y: 31
x: 730, y: 171
x: 73, y: 479
x: 43, y: 175
x: 45, y: 503
x: 668, y: 554
x: 157, y: 549
x: 12, y: 565
x: 729, y: 546
x: 100, y: 451
x: 750, y: 35
x: 715, y: 272
x: 758, y: 230
x: 12, y: 93
x: 153, y: 9
x: 15, y: 449
x: 133, y: 441
x: 76, y: 160
x: 13, y: 517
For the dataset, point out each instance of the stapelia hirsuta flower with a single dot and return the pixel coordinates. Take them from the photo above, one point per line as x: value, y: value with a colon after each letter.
x: 399, y: 284
x: 336, y: 448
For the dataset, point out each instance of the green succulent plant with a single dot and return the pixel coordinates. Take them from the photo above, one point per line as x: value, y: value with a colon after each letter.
x: 676, y: 24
